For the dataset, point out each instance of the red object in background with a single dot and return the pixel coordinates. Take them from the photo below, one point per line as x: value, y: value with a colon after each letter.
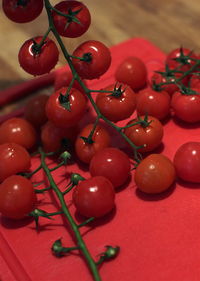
x: 158, y: 235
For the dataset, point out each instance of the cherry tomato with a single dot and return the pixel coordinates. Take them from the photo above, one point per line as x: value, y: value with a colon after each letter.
x: 195, y: 82
x: 154, y: 174
x: 187, y: 162
x: 22, y: 11
x: 132, y: 71
x: 97, y: 59
x: 111, y: 163
x: 119, y: 105
x: 38, y: 61
x: 100, y: 139
x: 148, y: 133
x: 14, y: 159
x: 67, y: 113
x: 17, y: 197
x: 18, y: 130
x: 94, y: 197
x: 78, y: 21
x: 156, y: 104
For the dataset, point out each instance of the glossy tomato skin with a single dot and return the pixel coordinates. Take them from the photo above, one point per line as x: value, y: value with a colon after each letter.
x: 117, y: 108
x: 94, y: 197
x: 23, y: 13
x: 73, y: 29
x: 41, y: 62
x: 186, y: 107
x: 18, y: 130
x: 14, y: 159
x: 156, y: 104
x: 154, y: 174
x: 101, y: 139
x: 133, y: 72
x: 62, y: 117
x: 100, y: 59
x: 150, y: 136
x: 111, y: 163
x: 187, y: 162
x: 17, y: 197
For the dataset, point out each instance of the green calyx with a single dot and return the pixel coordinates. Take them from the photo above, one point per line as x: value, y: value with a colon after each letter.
x: 187, y: 91
x: 64, y: 101
x: 58, y: 249
x: 144, y: 122
x: 183, y: 59
x: 117, y: 92
x: 22, y: 3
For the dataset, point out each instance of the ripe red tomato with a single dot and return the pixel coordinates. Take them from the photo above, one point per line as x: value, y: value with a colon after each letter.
x: 69, y: 27
x: 101, y: 139
x: 117, y: 106
x: 22, y: 11
x: 17, y: 197
x: 38, y: 62
x: 94, y: 197
x: 195, y: 82
x: 14, y: 159
x: 156, y: 104
x: 186, y: 107
x: 61, y: 116
x: 18, y: 130
x: 154, y: 174
x: 187, y: 162
x: 150, y: 135
x: 133, y: 72
x: 112, y: 164
x: 98, y: 59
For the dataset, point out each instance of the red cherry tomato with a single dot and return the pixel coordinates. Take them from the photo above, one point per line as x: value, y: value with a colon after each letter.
x: 94, y: 197
x: 148, y: 133
x: 100, y: 139
x: 187, y: 162
x: 22, y: 11
x: 18, y: 130
x: 154, y: 174
x: 41, y: 61
x: 132, y: 71
x: 119, y: 105
x: 66, y: 114
x: 195, y: 82
x: 98, y: 59
x: 14, y: 159
x: 156, y: 104
x: 72, y: 26
x: 111, y: 163
x: 17, y: 197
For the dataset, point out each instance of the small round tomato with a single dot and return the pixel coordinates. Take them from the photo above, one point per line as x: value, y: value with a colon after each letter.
x: 65, y: 110
x: 94, y: 197
x: 17, y: 197
x: 133, y: 72
x: 96, y: 59
x: 18, y: 130
x: 119, y: 105
x: 77, y: 19
x: 187, y: 162
x: 154, y: 174
x: 112, y: 164
x: 86, y: 149
x: 22, y: 11
x: 154, y: 103
x: 38, y: 60
x: 148, y: 133
x: 14, y: 159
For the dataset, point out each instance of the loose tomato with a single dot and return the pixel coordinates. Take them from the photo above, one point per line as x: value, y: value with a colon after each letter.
x: 94, y: 197
x: 86, y: 149
x: 65, y: 111
x: 17, y: 197
x: 148, y: 133
x: 96, y: 59
x: 154, y: 174
x: 14, y: 159
x: 77, y: 19
x: 119, y: 105
x: 38, y: 61
x: 111, y: 163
